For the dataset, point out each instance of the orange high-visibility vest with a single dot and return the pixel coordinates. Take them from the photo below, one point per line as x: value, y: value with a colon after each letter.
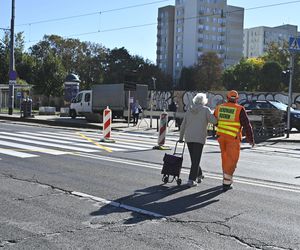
x: 228, y: 115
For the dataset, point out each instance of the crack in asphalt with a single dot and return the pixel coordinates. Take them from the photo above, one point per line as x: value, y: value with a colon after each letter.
x: 113, y: 228
x: 246, y: 241
x: 4, y: 243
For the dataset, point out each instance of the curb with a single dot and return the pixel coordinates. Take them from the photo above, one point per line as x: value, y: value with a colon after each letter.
x: 52, y: 123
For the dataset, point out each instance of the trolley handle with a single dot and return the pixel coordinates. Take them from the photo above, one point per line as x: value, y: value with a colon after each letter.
x: 175, y: 153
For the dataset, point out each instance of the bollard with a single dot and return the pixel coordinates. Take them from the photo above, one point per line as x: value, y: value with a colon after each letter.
x: 107, y: 125
x: 162, y: 132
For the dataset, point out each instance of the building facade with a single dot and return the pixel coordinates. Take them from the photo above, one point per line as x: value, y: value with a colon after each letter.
x: 201, y: 26
x: 165, y: 39
x: 257, y: 40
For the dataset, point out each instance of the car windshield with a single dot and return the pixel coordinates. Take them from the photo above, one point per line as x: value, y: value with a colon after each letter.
x: 280, y: 105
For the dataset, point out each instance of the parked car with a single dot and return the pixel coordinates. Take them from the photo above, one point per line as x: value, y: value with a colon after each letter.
x: 254, y: 105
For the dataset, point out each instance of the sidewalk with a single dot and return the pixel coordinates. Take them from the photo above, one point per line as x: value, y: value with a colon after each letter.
x: 119, y: 125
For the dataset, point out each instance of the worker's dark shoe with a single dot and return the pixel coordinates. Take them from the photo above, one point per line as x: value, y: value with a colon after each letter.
x: 226, y: 187
x: 199, y: 179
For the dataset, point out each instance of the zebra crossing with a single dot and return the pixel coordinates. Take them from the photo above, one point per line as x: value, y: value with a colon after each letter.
x: 25, y: 144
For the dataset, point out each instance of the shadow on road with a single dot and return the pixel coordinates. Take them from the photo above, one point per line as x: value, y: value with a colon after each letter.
x: 158, y: 199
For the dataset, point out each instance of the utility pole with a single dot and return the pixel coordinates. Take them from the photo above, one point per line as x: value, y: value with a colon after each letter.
x: 12, y: 71
x: 290, y: 95
x: 151, y: 100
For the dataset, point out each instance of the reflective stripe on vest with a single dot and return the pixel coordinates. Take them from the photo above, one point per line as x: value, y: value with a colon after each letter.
x: 228, y: 123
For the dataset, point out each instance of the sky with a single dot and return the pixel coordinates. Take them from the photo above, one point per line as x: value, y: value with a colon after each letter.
x: 122, y: 23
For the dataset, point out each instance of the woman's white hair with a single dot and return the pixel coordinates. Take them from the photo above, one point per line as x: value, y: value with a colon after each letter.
x: 200, y: 98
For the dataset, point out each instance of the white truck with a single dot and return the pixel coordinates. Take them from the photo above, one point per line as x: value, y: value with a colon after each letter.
x: 91, y: 103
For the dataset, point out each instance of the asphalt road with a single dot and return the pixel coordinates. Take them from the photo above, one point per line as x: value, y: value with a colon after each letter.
x: 61, y: 189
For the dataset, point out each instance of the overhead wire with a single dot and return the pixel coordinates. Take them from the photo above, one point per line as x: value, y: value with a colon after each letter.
x: 92, y: 13
x: 155, y: 23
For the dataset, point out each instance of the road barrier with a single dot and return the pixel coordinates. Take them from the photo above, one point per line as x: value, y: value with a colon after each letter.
x: 107, y: 125
x: 162, y: 131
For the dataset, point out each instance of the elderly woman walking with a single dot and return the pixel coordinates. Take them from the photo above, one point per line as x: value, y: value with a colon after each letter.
x: 194, y: 130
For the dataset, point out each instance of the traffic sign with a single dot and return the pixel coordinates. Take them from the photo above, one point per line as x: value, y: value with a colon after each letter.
x: 12, y: 82
x: 294, y: 44
x: 13, y: 75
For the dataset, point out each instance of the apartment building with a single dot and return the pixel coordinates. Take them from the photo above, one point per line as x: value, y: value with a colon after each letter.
x: 257, y: 39
x: 165, y: 39
x: 201, y: 26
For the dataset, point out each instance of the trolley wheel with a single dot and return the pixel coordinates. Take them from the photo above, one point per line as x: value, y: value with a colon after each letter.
x: 179, y: 182
x: 166, y: 179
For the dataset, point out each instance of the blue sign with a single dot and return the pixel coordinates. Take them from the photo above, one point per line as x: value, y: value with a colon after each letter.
x: 19, y: 95
x: 294, y: 44
x: 13, y: 75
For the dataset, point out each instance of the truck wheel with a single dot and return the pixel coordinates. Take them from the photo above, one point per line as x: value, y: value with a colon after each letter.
x: 73, y: 113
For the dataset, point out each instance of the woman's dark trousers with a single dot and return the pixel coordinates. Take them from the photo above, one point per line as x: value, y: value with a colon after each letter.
x: 195, y: 150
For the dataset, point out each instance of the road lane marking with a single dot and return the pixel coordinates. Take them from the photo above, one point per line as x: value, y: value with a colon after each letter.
x: 15, y: 153
x: 117, y: 204
x: 48, y: 144
x: 123, y: 145
x: 96, y: 143
x: 31, y: 148
x: 242, y: 180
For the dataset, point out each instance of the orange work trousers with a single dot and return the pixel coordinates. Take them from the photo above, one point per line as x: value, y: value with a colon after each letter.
x: 230, y: 154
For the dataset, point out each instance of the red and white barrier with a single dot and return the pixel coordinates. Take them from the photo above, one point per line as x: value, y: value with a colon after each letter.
x: 107, y: 125
x: 162, y: 131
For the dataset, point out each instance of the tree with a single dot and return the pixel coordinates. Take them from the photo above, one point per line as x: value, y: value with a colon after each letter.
x: 271, y: 77
x: 187, y: 78
x: 49, y: 76
x: 209, y: 72
x: 229, y: 78
x: 247, y: 74
x: 275, y: 53
x: 5, y: 55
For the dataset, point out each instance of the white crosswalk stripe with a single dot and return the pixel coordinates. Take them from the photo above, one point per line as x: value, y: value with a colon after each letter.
x: 26, y: 144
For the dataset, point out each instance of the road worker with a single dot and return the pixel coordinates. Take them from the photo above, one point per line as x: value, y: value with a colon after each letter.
x: 232, y: 118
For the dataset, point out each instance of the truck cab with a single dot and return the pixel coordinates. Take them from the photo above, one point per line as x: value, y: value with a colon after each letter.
x: 81, y: 104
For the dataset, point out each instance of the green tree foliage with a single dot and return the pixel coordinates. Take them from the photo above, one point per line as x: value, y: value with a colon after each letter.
x: 275, y: 53
x: 5, y: 54
x: 244, y: 76
x: 207, y: 75
x: 4, y: 59
x: 271, y: 77
x: 209, y: 72
x: 49, y: 76
x: 229, y: 78
x: 187, y: 78
x: 296, y: 74
x: 93, y: 63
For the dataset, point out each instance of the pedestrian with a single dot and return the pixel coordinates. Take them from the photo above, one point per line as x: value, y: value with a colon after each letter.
x: 194, y: 130
x: 173, y: 108
x: 136, y: 110
x: 232, y: 118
